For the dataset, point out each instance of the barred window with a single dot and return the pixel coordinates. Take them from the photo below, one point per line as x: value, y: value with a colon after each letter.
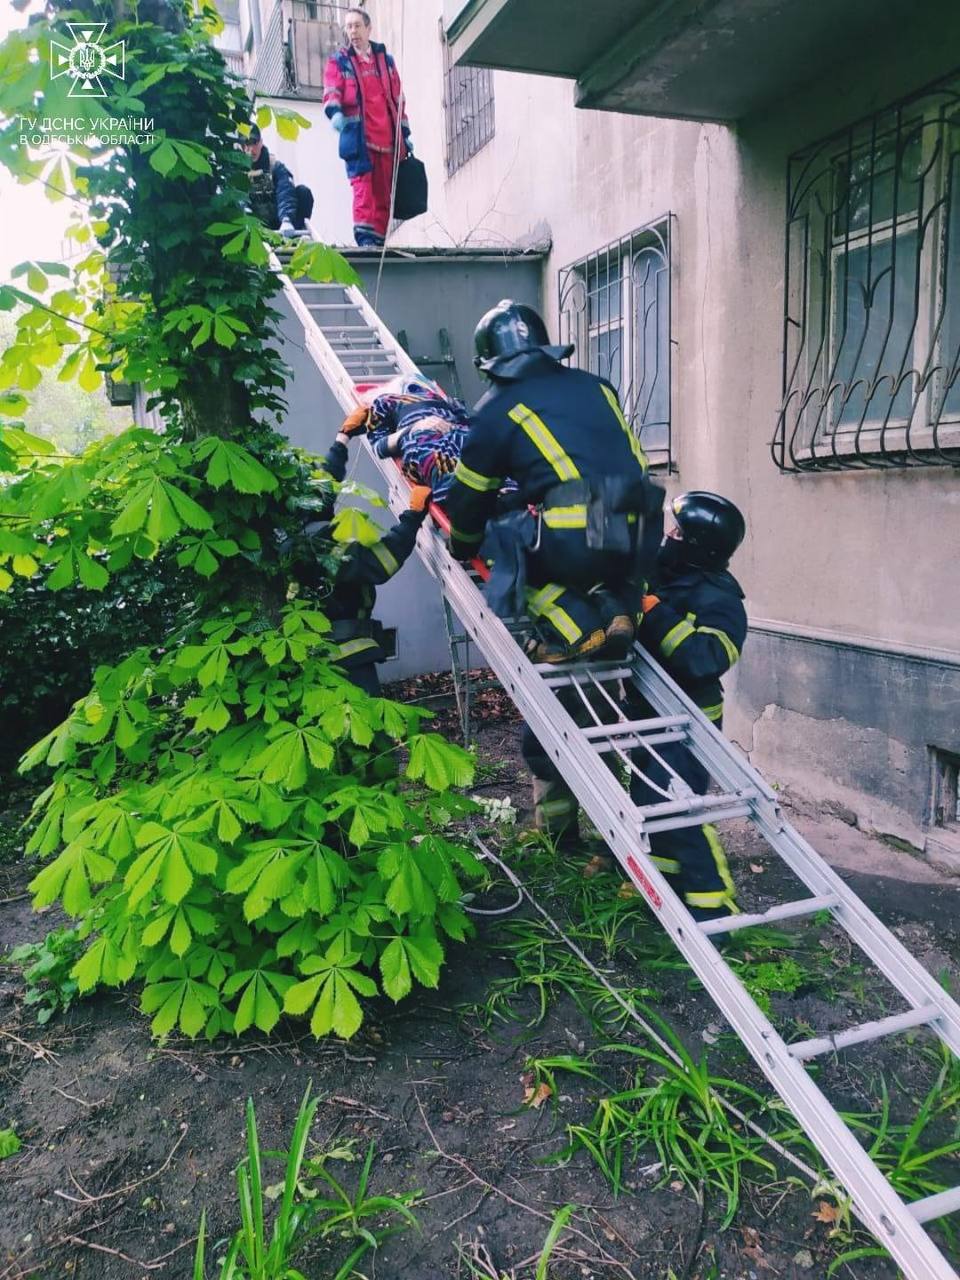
x: 871, y: 373
x: 468, y: 109
x: 615, y: 308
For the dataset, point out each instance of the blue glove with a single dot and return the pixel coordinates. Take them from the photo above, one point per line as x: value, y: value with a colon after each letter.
x: 287, y: 229
x: 338, y: 121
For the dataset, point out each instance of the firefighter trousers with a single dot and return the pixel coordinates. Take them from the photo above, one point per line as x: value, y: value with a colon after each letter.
x: 573, y: 590
x: 692, y: 858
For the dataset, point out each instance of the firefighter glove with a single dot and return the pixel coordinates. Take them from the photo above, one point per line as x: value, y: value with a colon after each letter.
x: 355, y: 423
x: 649, y: 602
x: 420, y: 496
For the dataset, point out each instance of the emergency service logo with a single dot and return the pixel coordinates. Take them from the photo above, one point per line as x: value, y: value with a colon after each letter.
x: 87, y: 60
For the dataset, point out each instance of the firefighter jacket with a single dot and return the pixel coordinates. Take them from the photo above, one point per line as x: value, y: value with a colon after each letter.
x: 341, y: 92
x: 272, y: 196
x: 696, y: 632
x: 350, y: 604
x: 549, y: 429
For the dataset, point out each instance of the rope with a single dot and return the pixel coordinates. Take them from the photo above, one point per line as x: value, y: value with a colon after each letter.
x: 630, y: 1010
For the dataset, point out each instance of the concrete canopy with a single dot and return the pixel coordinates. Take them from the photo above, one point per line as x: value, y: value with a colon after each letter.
x: 711, y: 60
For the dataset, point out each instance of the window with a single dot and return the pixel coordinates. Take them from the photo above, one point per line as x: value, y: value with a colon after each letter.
x: 945, y: 799
x: 468, y: 109
x: 615, y: 308
x: 871, y: 372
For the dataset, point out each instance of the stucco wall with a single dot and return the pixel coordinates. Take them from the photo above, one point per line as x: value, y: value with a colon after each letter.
x: 859, y: 553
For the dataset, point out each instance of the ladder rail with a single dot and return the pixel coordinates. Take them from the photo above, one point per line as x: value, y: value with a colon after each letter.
x: 623, y: 828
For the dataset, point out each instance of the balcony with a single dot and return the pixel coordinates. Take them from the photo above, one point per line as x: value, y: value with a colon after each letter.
x: 718, y: 60
x: 299, y: 38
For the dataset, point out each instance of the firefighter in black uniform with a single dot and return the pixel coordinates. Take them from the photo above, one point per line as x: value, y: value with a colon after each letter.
x: 561, y: 435
x: 694, y: 625
x: 359, y: 570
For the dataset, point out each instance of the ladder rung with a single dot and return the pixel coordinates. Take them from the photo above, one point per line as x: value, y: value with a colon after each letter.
x: 694, y: 804
x: 362, y: 351
x: 831, y: 1042
x: 648, y: 740
x: 580, y: 676
x: 310, y: 284
x: 786, y: 911
x: 617, y: 727
x: 936, y: 1206
x: 333, y: 306
x: 326, y: 330
x: 724, y: 813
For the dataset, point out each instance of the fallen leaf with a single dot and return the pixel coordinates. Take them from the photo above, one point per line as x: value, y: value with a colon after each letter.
x: 676, y: 1186
x: 536, y: 1097
x: 826, y: 1212
x: 756, y: 868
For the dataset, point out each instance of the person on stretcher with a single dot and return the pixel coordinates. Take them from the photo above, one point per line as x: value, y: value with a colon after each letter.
x: 414, y: 419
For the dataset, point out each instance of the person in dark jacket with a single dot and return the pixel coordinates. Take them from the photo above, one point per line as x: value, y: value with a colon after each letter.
x: 592, y: 519
x: 274, y: 199
x: 359, y: 569
x: 363, y: 100
x: 561, y: 435
x: 694, y: 625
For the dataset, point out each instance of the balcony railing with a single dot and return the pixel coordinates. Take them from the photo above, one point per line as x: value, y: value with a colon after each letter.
x: 298, y: 40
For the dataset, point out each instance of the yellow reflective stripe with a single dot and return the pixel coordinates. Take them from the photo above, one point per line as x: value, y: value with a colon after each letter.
x: 676, y: 636
x: 635, y: 448
x: 545, y: 441
x: 731, y: 650
x: 474, y: 480
x: 718, y: 898
x: 464, y: 537
x: 720, y: 861
x: 350, y: 647
x: 669, y: 865
x: 574, y: 517
x: 542, y: 604
x: 387, y: 559
x: 713, y: 713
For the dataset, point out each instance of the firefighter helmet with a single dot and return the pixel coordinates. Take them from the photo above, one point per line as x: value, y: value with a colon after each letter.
x: 712, y: 528
x: 508, y: 332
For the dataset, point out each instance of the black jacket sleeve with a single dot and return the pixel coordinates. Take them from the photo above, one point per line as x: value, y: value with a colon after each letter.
x: 472, y: 496
x: 375, y: 565
x: 284, y: 192
x: 698, y: 647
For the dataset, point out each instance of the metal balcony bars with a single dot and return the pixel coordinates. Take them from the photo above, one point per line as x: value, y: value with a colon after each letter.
x: 871, y: 363
x: 615, y: 306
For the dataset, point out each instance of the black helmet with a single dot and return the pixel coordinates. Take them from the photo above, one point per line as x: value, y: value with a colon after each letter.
x: 509, y: 331
x: 712, y: 528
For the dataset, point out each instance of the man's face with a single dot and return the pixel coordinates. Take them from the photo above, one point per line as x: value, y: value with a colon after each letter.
x: 253, y: 149
x: 358, y: 33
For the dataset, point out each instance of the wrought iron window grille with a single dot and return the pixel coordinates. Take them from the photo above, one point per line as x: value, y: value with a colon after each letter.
x: 468, y: 110
x: 871, y: 356
x: 615, y: 306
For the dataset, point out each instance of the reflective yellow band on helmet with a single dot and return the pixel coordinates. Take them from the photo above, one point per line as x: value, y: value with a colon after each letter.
x: 675, y: 637
x: 351, y: 647
x: 388, y: 560
x: 635, y: 448
x: 545, y: 441
x: 474, y: 480
x: 731, y: 650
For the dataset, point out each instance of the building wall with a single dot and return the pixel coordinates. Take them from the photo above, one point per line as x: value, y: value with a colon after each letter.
x: 855, y: 554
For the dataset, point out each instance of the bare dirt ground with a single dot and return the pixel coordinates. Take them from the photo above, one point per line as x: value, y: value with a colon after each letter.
x: 125, y: 1141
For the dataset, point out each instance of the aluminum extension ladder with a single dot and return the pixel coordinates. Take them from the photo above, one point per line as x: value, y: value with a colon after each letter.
x: 354, y: 351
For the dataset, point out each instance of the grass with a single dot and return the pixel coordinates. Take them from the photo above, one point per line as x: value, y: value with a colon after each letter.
x: 312, y: 1204
x: 671, y: 1104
